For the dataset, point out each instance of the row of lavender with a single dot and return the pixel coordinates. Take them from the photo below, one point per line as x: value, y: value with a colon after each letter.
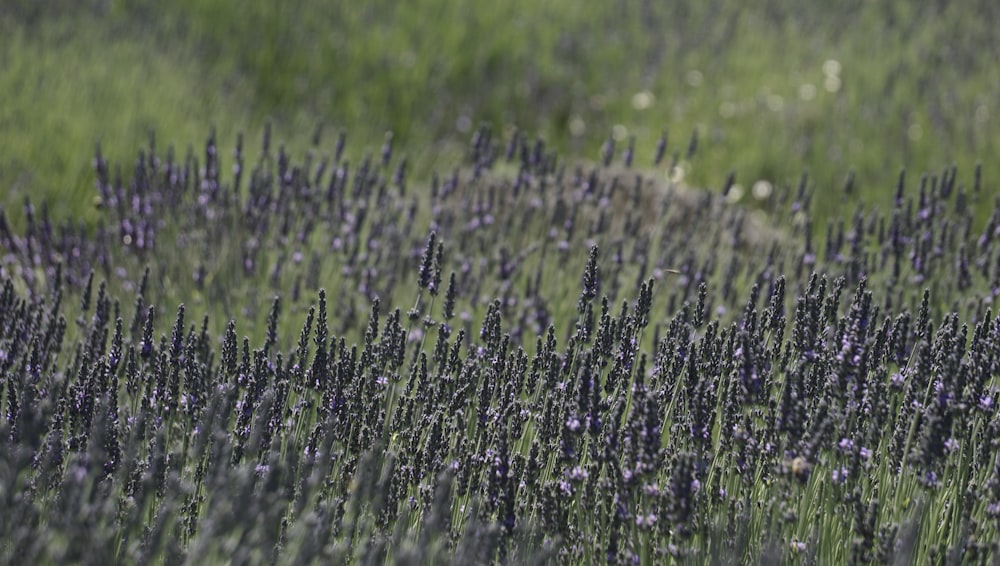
x: 462, y: 393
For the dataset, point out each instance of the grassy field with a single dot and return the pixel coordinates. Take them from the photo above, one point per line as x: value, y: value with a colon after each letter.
x: 511, y: 282
x: 771, y: 92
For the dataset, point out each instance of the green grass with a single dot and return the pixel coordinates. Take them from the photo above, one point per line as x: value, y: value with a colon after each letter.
x: 916, y: 87
x: 68, y: 91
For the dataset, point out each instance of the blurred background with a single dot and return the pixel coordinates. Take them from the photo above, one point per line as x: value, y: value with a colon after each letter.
x: 771, y: 92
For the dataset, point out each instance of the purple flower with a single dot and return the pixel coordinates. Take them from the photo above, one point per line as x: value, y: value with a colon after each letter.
x: 573, y: 424
x: 415, y: 335
x: 950, y: 445
x: 986, y: 402
x: 839, y: 476
x: 930, y: 479
x: 645, y: 520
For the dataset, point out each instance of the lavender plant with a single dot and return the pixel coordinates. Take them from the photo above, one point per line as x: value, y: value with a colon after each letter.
x: 569, y: 399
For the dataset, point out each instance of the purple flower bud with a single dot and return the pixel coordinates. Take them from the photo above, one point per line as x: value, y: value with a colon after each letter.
x: 951, y: 445
x: 840, y: 475
x: 645, y: 520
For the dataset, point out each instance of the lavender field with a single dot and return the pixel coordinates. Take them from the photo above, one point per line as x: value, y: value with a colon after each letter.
x: 531, y: 358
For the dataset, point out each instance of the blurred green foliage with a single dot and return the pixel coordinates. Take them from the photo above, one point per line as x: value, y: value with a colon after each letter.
x: 772, y: 90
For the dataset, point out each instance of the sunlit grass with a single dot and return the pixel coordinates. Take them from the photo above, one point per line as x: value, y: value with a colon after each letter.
x: 911, y: 91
